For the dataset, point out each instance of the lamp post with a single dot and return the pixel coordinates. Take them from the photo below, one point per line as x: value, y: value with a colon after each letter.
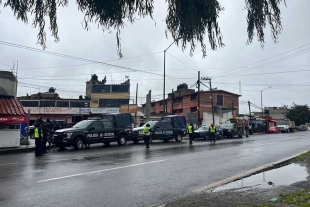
x: 261, y: 99
x: 164, y: 99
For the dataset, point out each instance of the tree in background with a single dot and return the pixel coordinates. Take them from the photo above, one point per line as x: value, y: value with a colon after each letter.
x: 188, y: 21
x: 299, y: 113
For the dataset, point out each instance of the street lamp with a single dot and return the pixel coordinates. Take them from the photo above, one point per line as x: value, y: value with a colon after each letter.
x: 164, y: 99
x: 261, y: 99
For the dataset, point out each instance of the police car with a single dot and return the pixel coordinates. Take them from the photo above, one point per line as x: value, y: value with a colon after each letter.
x: 169, y: 127
x: 110, y: 128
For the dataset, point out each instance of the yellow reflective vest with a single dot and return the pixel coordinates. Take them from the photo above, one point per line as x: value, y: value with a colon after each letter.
x: 36, y: 133
x: 212, y: 129
x: 146, y: 131
x: 190, y: 129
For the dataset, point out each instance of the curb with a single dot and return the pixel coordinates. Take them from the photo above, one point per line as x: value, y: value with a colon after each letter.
x: 20, y: 150
x: 247, y: 173
x: 237, y: 177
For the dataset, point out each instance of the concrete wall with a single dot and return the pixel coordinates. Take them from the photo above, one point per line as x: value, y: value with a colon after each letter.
x: 8, y: 84
x: 9, y: 138
x: 218, y: 119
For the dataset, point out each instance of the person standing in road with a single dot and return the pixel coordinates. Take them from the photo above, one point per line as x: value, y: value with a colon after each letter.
x: 147, y: 135
x: 45, y: 132
x: 212, y: 131
x: 190, y: 129
x: 38, y: 141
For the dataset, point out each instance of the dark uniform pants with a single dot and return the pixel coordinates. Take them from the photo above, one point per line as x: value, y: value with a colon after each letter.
x: 44, y: 141
x: 212, y: 136
x: 38, y: 149
x: 147, y: 140
x: 190, y: 138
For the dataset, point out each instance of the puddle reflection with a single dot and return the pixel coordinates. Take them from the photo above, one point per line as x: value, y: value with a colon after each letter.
x: 281, y: 176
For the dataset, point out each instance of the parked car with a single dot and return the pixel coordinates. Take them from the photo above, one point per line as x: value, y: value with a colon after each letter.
x: 110, y: 128
x: 230, y: 130
x: 203, y: 132
x: 169, y: 127
x: 303, y: 128
x: 273, y: 129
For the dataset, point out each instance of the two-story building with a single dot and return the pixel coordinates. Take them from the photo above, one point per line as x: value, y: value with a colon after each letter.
x: 109, y: 96
x: 184, y: 101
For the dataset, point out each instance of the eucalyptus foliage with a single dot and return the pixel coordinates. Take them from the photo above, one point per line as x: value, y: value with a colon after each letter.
x: 188, y: 21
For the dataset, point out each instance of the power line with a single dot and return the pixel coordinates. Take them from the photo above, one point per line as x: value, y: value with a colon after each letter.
x: 264, y: 59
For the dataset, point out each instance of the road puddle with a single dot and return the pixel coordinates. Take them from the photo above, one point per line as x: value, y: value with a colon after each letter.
x: 286, y: 175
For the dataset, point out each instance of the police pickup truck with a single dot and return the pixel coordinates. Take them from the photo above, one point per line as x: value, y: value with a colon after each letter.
x: 169, y: 127
x: 110, y: 128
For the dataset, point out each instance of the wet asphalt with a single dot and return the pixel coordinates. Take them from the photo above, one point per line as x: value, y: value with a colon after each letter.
x: 135, y: 176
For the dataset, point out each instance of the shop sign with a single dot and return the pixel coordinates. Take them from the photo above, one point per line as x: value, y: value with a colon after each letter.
x: 104, y: 110
x: 84, y: 110
x: 13, y: 119
x: 52, y: 110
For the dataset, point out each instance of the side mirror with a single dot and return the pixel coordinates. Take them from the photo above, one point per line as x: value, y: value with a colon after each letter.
x: 92, y: 129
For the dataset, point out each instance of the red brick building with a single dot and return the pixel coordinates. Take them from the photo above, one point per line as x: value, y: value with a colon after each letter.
x: 186, y: 102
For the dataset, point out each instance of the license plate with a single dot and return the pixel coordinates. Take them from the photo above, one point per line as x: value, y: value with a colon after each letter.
x: 64, y: 140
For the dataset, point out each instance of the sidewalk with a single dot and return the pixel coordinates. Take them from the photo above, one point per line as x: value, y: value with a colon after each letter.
x: 20, y: 149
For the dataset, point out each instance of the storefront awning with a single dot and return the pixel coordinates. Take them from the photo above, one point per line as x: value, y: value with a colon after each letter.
x: 11, y: 111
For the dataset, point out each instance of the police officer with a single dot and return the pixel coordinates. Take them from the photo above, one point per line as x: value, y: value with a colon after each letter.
x: 38, y: 140
x: 212, y: 131
x: 190, y: 133
x: 45, y: 132
x: 147, y: 135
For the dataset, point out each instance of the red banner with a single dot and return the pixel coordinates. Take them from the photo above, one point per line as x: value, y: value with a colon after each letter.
x: 13, y: 119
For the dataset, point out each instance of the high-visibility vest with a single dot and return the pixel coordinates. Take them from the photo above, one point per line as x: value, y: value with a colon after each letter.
x: 190, y: 129
x: 36, y: 133
x: 146, y: 131
x: 212, y: 129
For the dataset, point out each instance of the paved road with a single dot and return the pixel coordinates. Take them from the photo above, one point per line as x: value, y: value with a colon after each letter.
x: 133, y: 175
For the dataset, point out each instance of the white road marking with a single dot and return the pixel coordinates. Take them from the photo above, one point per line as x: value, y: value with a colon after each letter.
x: 98, y: 171
x: 257, y: 145
x: 9, y: 164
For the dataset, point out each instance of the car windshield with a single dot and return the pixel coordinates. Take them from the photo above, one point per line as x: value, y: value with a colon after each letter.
x: 82, y: 124
x: 202, y: 128
x: 273, y: 127
x: 282, y: 123
x: 227, y: 125
x: 151, y: 123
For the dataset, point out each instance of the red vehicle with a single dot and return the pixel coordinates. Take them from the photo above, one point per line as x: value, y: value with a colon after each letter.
x: 274, y: 129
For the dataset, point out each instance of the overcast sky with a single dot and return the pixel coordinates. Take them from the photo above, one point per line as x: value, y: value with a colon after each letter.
x: 38, y: 71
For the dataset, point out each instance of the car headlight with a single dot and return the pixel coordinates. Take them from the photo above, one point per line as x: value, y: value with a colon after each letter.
x: 68, y: 135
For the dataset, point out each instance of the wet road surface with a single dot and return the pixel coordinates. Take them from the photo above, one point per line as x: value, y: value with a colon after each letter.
x: 133, y: 175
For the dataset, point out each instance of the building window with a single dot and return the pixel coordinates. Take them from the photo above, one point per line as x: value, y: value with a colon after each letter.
x: 194, y: 96
x: 153, y: 104
x: 112, y: 102
x: 62, y: 103
x: 179, y: 99
x: 193, y: 109
x: 120, y: 88
x: 79, y: 104
x: 30, y: 103
x: 180, y: 111
x: 47, y: 103
x: 219, y: 99
x: 101, y: 88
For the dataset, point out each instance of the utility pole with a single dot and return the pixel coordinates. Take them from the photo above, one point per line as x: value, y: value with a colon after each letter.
x: 28, y: 121
x: 261, y: 99
x: 172, y: 102
x: 198, y: 85
x: 250, y: 116
x: 212, y: 100
x: 164, y: 98
x: 233, y: 107
x: 136, y: 121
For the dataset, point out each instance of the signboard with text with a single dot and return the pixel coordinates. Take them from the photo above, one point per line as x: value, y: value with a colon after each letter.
x: 52, y: 110
x: 104, y: 110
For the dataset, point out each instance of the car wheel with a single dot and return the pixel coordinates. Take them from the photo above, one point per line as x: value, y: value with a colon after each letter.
x: 121, y: 141
x: 136, y: 140
x: 78, y: 144
x: 179, y: 137
x: 107, y: 143
x: 205, y: 137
